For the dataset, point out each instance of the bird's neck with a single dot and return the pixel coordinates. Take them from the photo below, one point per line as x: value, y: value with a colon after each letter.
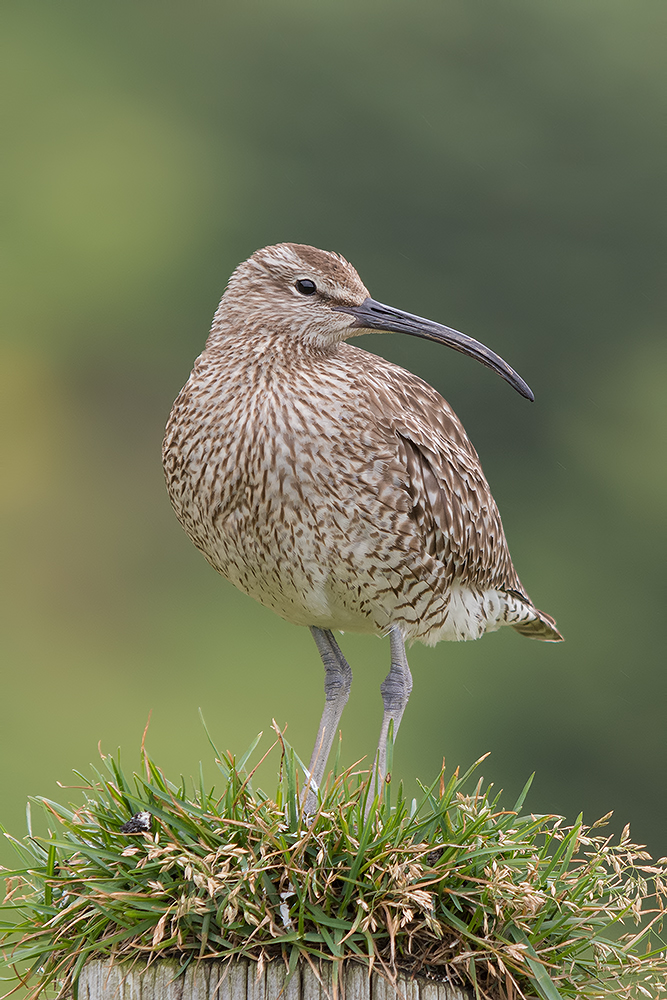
x: 256, y: 347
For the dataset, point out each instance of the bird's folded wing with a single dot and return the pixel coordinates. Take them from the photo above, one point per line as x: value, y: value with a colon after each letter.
x: 451, y: 503
x: 461, y: 527
x: 455, y: 512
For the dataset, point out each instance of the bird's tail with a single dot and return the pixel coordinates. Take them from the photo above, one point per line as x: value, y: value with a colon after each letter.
x: 541, y: 627
x: 528, y: 620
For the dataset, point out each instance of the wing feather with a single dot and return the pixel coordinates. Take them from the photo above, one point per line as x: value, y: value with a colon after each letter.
x: 452, y: 504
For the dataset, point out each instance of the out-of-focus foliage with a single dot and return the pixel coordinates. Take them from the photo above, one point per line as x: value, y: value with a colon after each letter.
x: 494, y: 166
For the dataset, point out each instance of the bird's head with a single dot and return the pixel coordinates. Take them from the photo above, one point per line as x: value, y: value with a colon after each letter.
x: 293, y: 290
x: 317, y: 297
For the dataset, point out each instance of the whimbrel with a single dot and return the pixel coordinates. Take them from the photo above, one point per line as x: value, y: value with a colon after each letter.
x: 337, y: 489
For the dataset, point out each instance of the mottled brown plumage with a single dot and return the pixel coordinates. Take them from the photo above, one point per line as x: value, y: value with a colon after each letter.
x: 334, y: 487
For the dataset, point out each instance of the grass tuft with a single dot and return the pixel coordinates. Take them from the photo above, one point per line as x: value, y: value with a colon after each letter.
x: 507, y: 903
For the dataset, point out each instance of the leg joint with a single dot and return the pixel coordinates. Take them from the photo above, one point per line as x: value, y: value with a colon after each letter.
x: 396, y: 688
x: 337, y: 681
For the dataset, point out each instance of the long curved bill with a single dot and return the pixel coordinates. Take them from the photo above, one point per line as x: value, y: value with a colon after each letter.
x: 372, y: 315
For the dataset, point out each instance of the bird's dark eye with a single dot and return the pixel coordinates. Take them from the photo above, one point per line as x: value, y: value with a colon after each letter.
x: 305, y: 286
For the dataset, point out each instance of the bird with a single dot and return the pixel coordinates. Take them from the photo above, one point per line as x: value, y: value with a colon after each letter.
x: 334, y: 487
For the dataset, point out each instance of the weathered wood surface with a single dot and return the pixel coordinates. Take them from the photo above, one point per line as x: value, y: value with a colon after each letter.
x: 210, y: 980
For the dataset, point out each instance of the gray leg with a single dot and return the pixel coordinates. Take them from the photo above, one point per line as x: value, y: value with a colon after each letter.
x: 395, y: 688
x: 337, y: 682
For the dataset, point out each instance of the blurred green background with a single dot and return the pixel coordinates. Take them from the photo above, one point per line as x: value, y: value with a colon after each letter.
x: 493, y: 165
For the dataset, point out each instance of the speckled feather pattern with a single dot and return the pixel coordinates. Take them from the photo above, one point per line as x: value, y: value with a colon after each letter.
x: 332, y: 486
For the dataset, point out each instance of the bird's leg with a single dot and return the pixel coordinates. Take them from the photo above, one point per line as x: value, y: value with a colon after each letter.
x: 337, y: 682
x: 395, y: 688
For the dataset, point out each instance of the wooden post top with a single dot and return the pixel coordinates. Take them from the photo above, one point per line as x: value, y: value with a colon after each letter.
x: 211, y: 980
